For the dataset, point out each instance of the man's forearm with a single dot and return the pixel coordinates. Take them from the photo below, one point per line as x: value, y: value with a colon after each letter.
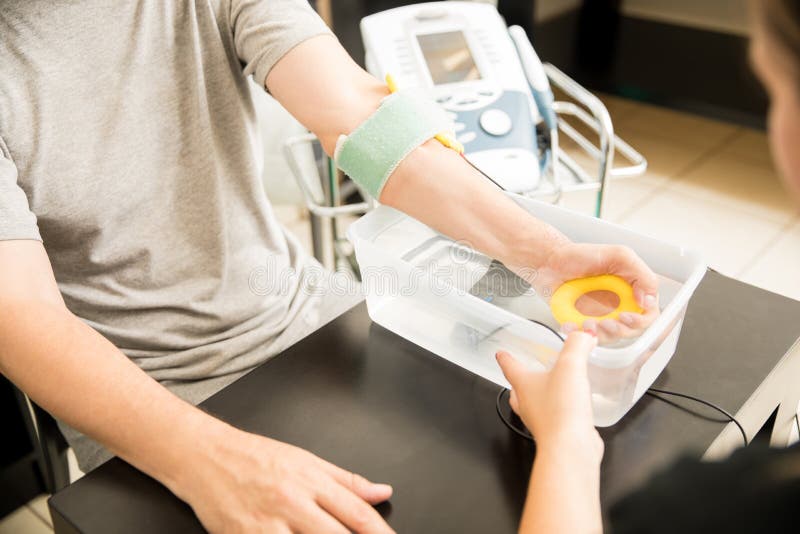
x: 81, y: 378
x: 435, y: 185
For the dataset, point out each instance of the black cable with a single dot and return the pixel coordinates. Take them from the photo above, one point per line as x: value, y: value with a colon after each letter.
x: 652, y: 392
x: 720, y: 409
x: 483, y: 173
x: 511, y: 426
x: 547, y: 326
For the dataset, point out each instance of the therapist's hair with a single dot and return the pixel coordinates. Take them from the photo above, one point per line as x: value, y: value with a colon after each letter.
x: 781, y: 20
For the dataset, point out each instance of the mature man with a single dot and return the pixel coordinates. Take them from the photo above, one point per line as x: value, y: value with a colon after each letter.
x: 132, y: 215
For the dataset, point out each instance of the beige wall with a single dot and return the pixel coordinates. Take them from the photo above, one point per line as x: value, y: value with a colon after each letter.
x: 729, y: 16
x: 547, y: 9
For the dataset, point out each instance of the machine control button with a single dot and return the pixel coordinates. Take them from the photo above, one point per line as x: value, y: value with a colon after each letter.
x: 467, y: 137
x: 467, y: 98
x: 459, y: 127
x: 496, y: 122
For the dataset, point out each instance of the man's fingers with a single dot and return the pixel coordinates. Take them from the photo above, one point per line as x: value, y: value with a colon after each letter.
x: 349, y: 508
x: 513, y: 370
x: 277, y: 526
x: 645, y: 290
x: 624, y: 262
x: 647, y: 298
x: 369, y: 491
x: 639, y: 321
x: 590, y: 326
x: 643, y: 280
x: 309, y: 517
x: 609, y: 326
x: 609, y: 331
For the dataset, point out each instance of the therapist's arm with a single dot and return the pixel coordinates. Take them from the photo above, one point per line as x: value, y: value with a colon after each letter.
x: 564, y: 491
x: 325, y: 90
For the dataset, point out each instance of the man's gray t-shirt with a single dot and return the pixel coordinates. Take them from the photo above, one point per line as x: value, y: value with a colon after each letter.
x: 128, y: 144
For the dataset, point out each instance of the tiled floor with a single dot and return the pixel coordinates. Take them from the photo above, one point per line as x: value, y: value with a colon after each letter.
x: 33, y: 518
x: 710, y: 186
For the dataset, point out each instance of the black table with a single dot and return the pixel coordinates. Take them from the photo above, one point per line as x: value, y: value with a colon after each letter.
x: 366, y: 399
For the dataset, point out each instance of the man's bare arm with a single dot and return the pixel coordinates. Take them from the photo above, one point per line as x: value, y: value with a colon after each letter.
x: 78, y: 376
x: 433, y: 184
x: 331, y: 95
x: 233, y: 480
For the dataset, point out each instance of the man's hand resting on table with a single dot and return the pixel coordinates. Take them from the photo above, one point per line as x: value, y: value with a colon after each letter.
x: 234, y: 481
x: 248, y: 483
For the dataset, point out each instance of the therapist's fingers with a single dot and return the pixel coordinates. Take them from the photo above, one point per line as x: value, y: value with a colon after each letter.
x: 514, y: 371
x: 574, y: 355
x: 569, y: 327
x: 513, y: 401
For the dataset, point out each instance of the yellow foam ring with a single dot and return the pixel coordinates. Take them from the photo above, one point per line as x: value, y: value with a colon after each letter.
x: 562, y: 304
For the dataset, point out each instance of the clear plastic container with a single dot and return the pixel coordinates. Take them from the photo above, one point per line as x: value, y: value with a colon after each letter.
x: 460, y: 305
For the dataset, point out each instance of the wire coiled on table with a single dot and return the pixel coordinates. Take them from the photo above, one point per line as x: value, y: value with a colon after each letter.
x: 653, y: 392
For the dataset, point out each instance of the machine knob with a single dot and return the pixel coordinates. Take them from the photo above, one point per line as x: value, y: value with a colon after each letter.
x: 496, y: 122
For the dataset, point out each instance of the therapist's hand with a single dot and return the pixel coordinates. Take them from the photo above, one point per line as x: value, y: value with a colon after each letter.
x: 556, y: 405
x: 564, y: 491
x: 249, y: 483
x: 568, y: 261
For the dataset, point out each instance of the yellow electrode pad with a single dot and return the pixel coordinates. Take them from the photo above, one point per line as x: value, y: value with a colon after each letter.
x: 562, y: 304
x: 448, y: 139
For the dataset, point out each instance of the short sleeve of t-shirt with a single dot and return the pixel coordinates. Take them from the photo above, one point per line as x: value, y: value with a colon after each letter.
x: 264, y: 30
x: 16, y: 219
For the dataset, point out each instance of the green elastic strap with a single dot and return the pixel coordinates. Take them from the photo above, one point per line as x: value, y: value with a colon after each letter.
x: 403, y: 122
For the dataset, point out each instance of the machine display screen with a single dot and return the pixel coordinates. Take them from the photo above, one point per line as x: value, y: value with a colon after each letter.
x: 448, y: 57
